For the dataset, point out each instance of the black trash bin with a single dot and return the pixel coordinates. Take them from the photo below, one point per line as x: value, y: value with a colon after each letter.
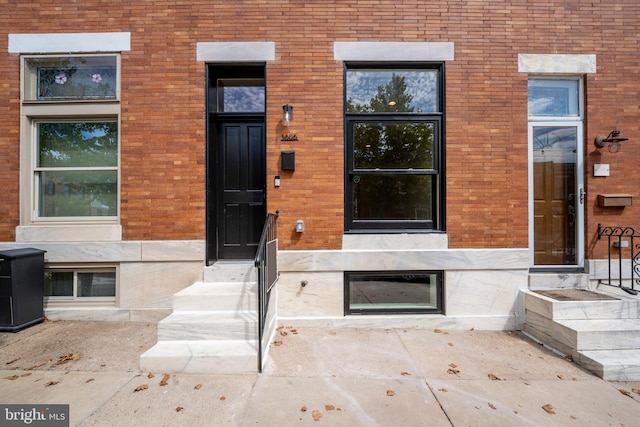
x: 21, y: 288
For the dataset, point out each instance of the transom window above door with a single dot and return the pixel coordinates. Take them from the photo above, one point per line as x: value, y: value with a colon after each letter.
x: 394, y: 148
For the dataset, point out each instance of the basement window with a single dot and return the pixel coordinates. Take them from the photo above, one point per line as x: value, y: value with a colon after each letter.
x: 393, y: 292
x: 90, y: 284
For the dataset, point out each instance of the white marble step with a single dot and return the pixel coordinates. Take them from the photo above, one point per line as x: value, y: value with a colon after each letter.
x: 231, y: 271
x: 209, y: 357
x: 208, y: 325
x: 209, y: 296
x: 611, y: 365
x: 619, y: 308
x: 605, y: 334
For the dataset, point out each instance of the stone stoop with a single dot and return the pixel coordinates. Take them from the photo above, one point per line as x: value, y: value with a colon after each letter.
x: 600, y: 331
x: 214, y: 325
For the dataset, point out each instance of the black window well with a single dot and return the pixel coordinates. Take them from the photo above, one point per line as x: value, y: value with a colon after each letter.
x: 394, y: 148
x: 377, y: 292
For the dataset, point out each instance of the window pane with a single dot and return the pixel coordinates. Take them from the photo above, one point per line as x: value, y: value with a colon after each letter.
x: 78, y: 193
x: 393, y: 292
x: 392, y: 197
x: 57, y: 283
x: 97, y: 284
x: 241, y: 95
x: 393, y: 145
x: 554, y: 98
x: 406, y: 91
x: 78, y: 144
x: 71, y: 78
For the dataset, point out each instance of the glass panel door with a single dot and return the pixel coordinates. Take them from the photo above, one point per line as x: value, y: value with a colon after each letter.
x: 556, y: 194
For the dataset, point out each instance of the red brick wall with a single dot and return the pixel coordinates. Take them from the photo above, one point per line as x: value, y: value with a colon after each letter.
x: 163, y: 108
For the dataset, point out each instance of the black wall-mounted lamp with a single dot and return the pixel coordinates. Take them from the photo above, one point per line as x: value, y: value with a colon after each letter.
x: 287, y: 115
x: 613, y: 139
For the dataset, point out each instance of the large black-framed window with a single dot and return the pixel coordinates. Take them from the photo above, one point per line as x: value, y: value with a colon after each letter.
x: 398, y: 292
x: 394, y: 142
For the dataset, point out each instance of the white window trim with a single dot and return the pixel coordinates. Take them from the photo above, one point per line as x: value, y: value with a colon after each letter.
x: 578, y: 118
x: 33, y: 228
x: 76, y: 300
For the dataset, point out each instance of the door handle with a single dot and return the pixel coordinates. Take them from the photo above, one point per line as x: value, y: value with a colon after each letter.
x: 582, y: 194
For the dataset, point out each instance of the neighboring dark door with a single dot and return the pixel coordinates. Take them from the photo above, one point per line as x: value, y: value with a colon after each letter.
x: 239, y: 172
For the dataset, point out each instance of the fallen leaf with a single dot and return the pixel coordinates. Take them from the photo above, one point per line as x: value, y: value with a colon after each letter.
x: 284, y: 333
x: 444, y: 390
x: 294, y: 331
x: 404, y: 373
x: 329, y: 408
x: 450, y: 344
x: 141, y: 387
x: 636, y: 390
x: 150, y: 375
x: 492, y: 406
x: 548, y: 408
x: 453, y: 365
x: 391, y: 393
x: 89, y: 380
x: 25, y: 375
x: 50, y: 383
x: 303, y: 409
x: 277, y: 343
x: 625, y: 392
x: 472, y: 329
x: 69, y: 357
x: 560, y: 376
x: 12, y: 377
x: 198, y: 387
x: 437, y: 331
x: 223, y: 398
x: 316, y: 415
x: 12, y: 361
x: 165, y: 380
x: 453, y: 371
x: 573, y: 417
x: 493, y: 377
x: 179, y: 408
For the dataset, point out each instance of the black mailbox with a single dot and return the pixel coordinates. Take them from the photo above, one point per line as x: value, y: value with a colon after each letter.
x: 21, y: 288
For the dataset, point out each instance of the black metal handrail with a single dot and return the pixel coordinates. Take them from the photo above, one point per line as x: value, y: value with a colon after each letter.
x: 622, y: 238
x: 266, y: 262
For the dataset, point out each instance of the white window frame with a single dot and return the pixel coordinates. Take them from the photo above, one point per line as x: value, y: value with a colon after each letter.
x: 102, y: 301
x: 33, y: 112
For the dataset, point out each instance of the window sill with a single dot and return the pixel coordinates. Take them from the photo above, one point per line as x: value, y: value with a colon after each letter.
x: 69, y: 233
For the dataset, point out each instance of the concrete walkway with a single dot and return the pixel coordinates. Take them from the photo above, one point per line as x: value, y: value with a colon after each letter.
x: 342, y: 377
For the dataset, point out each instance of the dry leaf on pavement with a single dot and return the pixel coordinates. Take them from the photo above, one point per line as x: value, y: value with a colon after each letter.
x: 50, y: 383
x: 549, y: 408
x: 12, y: 377
x: 150, y: 375
x: 165, y: 380
x: 303, y: 409
x: 492, y: 406
x: 179, y: 408
x: 198, y: 387
x: 277, y: 343
x: 141, y: 387
x: 625, y: 392
x: 391, y: 393
x: 493, y: 377
x: 316, y: 415
x: 329, y: 407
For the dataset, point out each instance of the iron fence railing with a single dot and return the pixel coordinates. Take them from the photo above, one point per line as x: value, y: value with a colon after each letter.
x: 627, y: 262
x: 266, y: 262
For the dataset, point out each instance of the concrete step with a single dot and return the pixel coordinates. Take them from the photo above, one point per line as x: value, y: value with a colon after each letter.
x: 611, y: 365
x: 209, y: 325
x: 231, y: 271
x: 207, y: 296
x: 209, y: 357
x: 607, y: 307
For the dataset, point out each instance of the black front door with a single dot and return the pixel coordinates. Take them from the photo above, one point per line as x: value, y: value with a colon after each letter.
x: 239, y: 173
